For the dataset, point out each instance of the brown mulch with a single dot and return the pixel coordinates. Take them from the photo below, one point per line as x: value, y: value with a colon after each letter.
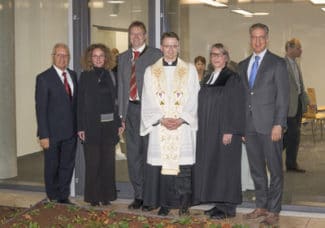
x: 7, y: 213
x: 45, y: 214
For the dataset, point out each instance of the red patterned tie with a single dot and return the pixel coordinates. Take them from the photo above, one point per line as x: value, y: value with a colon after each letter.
x: 66, y: 84
x: 133, y: 81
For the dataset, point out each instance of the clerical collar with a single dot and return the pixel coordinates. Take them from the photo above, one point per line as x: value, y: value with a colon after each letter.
x: 174, y: 63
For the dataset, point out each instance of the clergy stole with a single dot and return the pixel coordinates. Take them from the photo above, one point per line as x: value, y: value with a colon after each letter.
x: 171, y: 103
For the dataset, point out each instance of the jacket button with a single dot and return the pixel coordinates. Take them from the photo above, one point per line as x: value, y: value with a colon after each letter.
x: 252, y: 93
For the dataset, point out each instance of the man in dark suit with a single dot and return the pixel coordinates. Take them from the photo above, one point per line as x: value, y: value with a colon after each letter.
x: 56, y: 90
x: 265, y: 78
x: 298, y: 101
x: 131, y: 66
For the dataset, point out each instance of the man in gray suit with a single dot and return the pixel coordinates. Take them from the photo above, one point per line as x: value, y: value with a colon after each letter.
x: 131, y: 66
x: 298, y: 101
x: 265, y: 78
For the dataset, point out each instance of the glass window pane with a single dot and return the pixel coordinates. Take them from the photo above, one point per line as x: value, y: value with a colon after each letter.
x: 109, y: 21
x: 200, y: 25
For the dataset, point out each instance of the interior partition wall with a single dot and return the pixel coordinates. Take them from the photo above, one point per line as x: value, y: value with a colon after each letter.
x: 8, y: 164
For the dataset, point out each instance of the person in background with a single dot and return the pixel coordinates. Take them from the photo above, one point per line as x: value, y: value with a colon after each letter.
x: 115, y: 52
x: 56, y: 106
x: 265, y: 78
x: 200, y: 64
x: 169, y: 117
x: 217, y: 171
x: 98, y: 124
x: 298, y: 102
x: 131, y: 66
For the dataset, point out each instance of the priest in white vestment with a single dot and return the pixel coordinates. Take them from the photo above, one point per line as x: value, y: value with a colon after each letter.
x: 169, y: 116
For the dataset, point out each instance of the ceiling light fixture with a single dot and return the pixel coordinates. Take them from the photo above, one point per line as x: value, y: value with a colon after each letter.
x: 96, y: 4
x: 213, y: 3
x: 115, y: 2
x: 261, y: 14
x: 243, y: 12
x: 318, y: 1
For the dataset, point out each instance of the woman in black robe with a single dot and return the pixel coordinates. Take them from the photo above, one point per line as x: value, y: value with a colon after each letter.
x: 217, y: 172
x: 98, y: 124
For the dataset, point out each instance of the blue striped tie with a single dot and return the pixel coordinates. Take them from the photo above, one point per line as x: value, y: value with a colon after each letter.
x: 252, y: 76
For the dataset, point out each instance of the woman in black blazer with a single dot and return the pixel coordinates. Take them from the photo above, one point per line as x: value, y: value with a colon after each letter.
x: 98, y: 124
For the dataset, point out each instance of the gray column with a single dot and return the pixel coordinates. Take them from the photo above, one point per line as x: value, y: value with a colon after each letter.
x: 8, y: 157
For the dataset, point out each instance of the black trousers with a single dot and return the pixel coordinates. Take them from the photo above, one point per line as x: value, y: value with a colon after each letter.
x: 59, y: 161
x: 291, y: 139
x: 100, y: 184
x: 167, y: 190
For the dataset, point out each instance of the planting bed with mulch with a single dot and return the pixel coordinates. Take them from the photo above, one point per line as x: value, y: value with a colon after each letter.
x: 45, y: 214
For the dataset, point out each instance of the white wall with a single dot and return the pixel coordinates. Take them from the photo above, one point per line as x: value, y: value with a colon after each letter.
x: 302, y: 20
x: 38, y: 26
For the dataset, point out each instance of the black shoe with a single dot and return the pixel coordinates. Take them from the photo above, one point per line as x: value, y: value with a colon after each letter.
x: 296, y: 170
x: 147, y: 208
x: 136, y: 204
x: 210, y: 211
x: 65, y: 201
x: 163, y: 211
x: 183, y: 212
x: 94, y: 204
x: 221, y: 215
x: 106, y: 203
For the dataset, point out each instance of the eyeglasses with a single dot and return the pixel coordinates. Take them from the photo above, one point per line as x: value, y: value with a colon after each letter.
x: 258, y: 37
x: 216, y: 55
x: 98, y: 56
x: 61, y: 55
x: 170, y: 46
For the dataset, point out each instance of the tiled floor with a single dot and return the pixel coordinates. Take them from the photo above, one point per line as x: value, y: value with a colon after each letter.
x: 288, y: 219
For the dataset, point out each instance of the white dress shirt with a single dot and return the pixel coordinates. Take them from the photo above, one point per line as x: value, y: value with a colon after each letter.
x: 252, y: 60
x: 70, y: 82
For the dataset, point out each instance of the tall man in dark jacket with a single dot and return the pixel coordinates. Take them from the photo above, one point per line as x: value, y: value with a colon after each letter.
x: 56, y: 93
x: 132, y: 64
x: 265, y: 78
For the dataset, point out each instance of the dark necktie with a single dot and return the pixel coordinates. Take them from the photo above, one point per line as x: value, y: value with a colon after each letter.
x: 253, y: 73
x: 66, y: 84
x: 133, y: 80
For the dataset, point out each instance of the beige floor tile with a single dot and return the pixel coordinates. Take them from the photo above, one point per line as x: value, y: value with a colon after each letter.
x: 316, y: 223
x: 17, y: 198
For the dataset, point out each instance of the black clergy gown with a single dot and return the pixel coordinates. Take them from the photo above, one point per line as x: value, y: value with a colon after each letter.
x: 217, y: 172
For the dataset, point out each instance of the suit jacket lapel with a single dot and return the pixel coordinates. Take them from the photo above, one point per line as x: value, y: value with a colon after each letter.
x: 263, y: 65
x: 246, y: 63
x: 60, y: 85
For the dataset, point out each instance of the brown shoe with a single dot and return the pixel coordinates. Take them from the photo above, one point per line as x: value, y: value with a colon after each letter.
x: 272, y: 219
x: 258, y: 212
